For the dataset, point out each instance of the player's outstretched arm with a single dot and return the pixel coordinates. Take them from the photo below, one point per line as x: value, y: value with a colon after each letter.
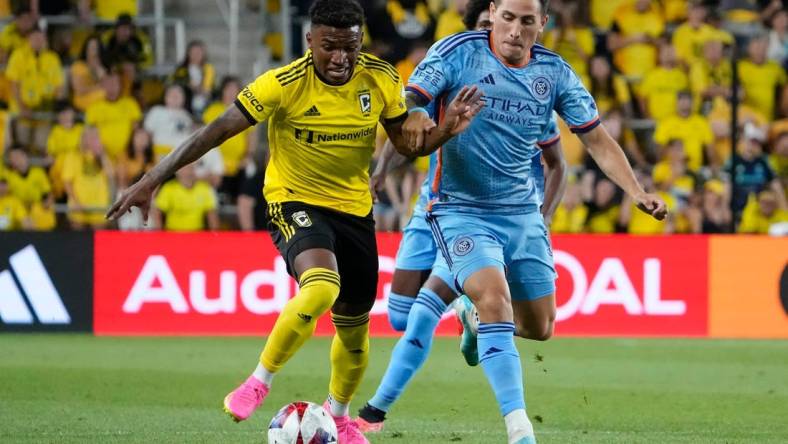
x: 456, y: 118
x: 555, y: 180
x: 200, y: 142
x: 611, y: 159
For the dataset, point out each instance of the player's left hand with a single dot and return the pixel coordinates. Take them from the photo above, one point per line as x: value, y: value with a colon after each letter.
x: 376, y: 183
x: 652, y: 204
x: 468, y: 102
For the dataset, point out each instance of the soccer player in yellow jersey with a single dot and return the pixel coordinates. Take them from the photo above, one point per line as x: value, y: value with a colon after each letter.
x: 323, y: 110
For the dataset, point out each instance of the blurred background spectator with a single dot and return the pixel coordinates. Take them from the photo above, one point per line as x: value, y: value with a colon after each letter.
x: 88, y: 104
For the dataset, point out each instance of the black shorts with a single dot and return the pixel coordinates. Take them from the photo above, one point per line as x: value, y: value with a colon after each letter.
x: 296, y: 227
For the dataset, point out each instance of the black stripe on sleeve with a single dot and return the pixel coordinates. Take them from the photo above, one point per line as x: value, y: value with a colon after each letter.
x: 246, y: 114
x: 398, y: 119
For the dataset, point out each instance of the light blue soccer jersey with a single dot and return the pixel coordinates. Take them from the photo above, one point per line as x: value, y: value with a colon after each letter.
x: 501, y: 142
x: 551, y: 135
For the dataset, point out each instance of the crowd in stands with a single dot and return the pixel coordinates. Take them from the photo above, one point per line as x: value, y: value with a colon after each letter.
x: 81, y: 117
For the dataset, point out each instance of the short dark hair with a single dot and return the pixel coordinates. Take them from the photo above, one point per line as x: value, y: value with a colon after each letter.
x: 337, y: 13
x: 472, y: 12
x: 545, y: 4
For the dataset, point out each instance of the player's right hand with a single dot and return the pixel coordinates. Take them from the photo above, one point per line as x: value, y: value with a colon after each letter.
x: 138, y: 195
x: 415, y: 128
x: 652, y: 204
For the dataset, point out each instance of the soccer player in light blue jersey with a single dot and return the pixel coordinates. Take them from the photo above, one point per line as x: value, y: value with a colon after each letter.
x: 422, y: 275
x: 483, y: 215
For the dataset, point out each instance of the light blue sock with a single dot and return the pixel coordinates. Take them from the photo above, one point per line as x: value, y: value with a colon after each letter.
x: 399, y: 308
x: 411, y: 350
x: 501, y: 363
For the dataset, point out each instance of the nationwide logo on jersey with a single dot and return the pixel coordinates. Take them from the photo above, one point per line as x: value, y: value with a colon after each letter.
x: 541, y: 87
x: 36, y: 286
x: 463, y: 246
x: 365, y: 102
x: 488, y: 79
x: 302, y: 219
x: 312, y: 112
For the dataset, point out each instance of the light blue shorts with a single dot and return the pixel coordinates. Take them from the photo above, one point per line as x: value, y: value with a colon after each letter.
x: 418, y: 251
x: 516, y: 243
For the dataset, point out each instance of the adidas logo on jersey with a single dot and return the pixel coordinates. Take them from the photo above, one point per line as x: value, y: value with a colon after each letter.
x: 488, y: 79
x: 312, y: 112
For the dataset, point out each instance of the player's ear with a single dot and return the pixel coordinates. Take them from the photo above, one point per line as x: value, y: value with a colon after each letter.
x: 545, y: 19
x: 309, y: 39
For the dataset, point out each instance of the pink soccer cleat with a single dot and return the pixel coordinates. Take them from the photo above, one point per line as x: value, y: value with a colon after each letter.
x: 243, y: 401
x: 347, y: 429
x: 369, y: 427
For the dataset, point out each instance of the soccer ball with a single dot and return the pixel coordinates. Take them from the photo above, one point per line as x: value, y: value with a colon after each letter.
x: 302, y: 422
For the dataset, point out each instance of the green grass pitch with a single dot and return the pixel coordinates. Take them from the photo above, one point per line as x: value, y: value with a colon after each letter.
x: 78, y: 388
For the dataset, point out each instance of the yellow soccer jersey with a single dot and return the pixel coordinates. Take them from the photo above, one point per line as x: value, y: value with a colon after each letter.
x: 111, y: 9
x: 322, y: 137
x: 694, y: 131
x: 760, y: 83
x: 63, y: 140
x: 185, y: 208
x: 115, y: 122
x: 12, y: 213
x: 234, y: 149
x: 661, y: 87
x: 31, y: 187
x: 38, y: 76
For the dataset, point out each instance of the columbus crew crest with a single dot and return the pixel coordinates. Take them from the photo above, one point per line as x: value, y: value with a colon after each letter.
x: 302, y: 219
x: 365, y: 102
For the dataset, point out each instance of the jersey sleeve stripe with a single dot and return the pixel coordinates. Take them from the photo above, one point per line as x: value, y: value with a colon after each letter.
x: 393, y: 78
x: 454, y: 38
x: 293, y: 73
x: 549, y: 142
x: 245, y: 112
x: 586, y: 127
x: 400, y: 118
x: 294, y: 68
x: 451, y: 48
x: 420, y: 91
x: 293, y: 79
x: 372, y: 62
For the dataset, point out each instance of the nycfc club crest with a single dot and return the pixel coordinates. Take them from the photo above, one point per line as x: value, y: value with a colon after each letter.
x: 365, y: 102
x: 302, y: 219
x: 541, y: 87
x: 463, y: 246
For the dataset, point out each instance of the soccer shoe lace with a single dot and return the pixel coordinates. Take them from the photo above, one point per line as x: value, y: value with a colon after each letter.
x: 243, y: 401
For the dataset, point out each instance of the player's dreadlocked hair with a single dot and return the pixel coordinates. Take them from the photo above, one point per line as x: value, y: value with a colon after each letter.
x: 545, y: 4
x: 336, y: 13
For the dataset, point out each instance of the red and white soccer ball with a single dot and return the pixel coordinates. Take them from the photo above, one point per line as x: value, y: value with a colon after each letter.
x: 302, y: 422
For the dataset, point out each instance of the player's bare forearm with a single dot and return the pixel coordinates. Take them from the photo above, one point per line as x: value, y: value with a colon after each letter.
x: 200, y: 142
x: 607, y: 153
x: 389, y: 159
x: 555, y: 179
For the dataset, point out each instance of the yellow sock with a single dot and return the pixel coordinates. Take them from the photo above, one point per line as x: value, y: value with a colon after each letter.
x: 319, y: 289
x: 349, y: 355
